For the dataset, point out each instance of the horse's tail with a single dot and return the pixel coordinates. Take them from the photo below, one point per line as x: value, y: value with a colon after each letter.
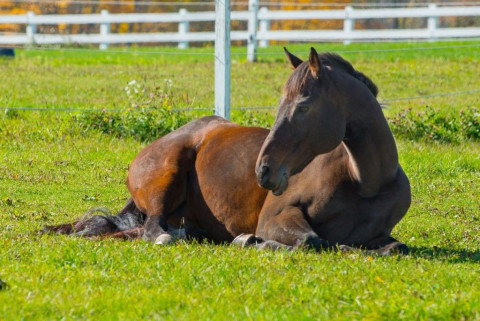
x: 128, y: 223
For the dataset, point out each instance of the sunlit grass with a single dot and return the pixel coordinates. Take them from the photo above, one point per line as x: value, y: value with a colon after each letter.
x: 53, y: 170
x: 96, y: 79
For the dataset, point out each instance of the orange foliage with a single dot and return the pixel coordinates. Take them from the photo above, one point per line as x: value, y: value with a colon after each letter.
x: 309, y: 24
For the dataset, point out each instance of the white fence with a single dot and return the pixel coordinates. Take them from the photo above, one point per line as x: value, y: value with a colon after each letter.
x: 258, y: 32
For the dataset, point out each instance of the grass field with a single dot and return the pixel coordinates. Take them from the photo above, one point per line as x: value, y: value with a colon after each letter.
x: 53, y: 169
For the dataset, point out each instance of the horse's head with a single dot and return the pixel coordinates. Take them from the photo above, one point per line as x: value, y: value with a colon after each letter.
x: 311, y: 118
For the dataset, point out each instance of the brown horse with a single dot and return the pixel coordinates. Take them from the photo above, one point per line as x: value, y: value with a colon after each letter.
x: 330, y: 163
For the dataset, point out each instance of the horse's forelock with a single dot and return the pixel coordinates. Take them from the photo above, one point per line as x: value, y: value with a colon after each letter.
x: 297, y: 80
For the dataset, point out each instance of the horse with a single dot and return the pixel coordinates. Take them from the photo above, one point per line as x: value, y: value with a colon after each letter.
x: 326, y: 176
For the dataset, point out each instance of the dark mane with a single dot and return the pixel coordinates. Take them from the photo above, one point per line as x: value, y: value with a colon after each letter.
x: 334, y: 61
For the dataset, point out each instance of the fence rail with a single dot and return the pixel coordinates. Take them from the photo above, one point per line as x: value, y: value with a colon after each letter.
x: 257, y: 33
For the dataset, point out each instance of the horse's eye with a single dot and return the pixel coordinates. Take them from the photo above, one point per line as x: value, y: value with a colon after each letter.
x: 303, y: 108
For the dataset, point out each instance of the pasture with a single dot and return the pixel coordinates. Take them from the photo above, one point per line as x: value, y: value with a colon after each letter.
x: 54, y: 167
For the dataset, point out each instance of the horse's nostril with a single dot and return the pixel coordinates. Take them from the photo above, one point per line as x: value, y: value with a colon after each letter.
x: 264, y: 174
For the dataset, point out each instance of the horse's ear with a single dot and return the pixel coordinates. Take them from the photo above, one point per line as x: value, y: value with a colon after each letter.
x: 294, y: 61
x: 314, y: 63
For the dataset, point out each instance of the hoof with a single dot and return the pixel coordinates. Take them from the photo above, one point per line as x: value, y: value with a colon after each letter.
x: 394, y: 248
x: 244, y: 240
x: 164, y: 238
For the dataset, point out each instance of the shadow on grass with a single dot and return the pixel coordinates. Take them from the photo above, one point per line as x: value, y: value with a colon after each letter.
x: 445, y: 254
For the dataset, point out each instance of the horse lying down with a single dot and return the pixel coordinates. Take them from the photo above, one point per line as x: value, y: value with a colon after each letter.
x: 326, y: 175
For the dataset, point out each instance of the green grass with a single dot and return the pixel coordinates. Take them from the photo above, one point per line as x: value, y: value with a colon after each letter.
x: 93, y: 79
x: 53, y: 170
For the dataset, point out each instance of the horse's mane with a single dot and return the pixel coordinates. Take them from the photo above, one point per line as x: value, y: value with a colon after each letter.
x: 334, y: 61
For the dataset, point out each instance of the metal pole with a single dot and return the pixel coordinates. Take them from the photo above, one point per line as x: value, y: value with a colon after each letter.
x: 348, y: 25
x: 264, y: 27
x: 104, y: 29
x: 183, y: 27
x: 31, y: 27
x: 252, y: 30
x: 432, y: 21
x: 222, y: 58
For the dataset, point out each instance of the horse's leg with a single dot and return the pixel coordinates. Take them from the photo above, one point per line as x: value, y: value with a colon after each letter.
x: 130, y: 234
x: 387, y: 245
x: 397, y: 206
x: 245, y: 240
x: 373, y: 234
x: 390, y: 247
x: 288, y: 230
x: 166, y: 195
x: 380, y: 226
x: 171, y: 235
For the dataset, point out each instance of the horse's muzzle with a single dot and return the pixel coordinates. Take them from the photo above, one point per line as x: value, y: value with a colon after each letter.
x: 263, y: 176
x: 276, y: 183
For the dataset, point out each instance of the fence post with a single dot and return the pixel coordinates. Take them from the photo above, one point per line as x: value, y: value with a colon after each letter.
x: 104, y: 29
x: 222, y: 58
x: 264, y: 27
x: 432, y: 21
x: 348, y: 25
x: 31, y: 29
x: 252, y: 30
x: 183, y: 26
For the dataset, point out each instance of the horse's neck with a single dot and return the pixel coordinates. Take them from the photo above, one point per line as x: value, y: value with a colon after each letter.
x: 371, y: 147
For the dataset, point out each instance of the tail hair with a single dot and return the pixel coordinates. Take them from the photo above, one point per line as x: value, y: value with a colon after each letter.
x: 128, y: 219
